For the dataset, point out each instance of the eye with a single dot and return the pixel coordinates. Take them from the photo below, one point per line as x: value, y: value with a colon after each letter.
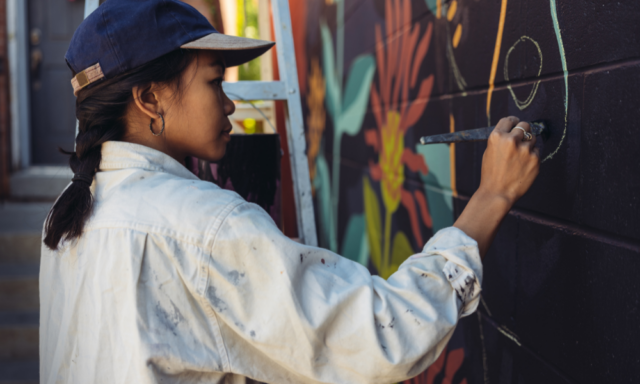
x: 217, y: 81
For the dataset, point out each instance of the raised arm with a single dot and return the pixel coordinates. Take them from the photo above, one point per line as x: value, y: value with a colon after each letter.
x: 293, y: 313
x: 509, y: 167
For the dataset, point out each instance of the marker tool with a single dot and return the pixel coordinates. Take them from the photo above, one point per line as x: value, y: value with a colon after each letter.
x: 538, y: 128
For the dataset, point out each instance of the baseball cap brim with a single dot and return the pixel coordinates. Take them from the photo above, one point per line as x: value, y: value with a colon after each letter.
x: 236, y: 50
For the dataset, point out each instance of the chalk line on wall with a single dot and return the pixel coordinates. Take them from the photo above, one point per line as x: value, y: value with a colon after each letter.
x: 522, y: 104
x: 556, y: 28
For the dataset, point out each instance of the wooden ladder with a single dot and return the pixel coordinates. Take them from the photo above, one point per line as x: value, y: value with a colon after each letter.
x: 287, y: 90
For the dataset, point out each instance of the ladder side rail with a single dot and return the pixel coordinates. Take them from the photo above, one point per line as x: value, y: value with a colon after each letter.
x: 255, y: 90
x: 293, y: 116
x: 90, y: 6
x: 295, y: 129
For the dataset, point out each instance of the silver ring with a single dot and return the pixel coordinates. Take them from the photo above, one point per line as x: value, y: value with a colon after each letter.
x: 527, y: 135
x: 523, y: 130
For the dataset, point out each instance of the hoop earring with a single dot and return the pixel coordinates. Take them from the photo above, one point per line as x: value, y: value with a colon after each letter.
x: 151, y: 126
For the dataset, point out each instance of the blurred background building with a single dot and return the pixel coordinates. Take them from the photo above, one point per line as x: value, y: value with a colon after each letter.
x: 38, y: 108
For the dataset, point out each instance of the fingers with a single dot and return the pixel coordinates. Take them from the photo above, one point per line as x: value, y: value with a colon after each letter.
x: 536, y: 151
x: 506, y: 124
x: 511, y: 126
x: 518, y: 132
x: 531, y: 144
x: 519, y: 135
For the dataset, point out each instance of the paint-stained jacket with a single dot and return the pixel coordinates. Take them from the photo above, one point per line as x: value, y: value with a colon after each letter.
x: 175, y: 280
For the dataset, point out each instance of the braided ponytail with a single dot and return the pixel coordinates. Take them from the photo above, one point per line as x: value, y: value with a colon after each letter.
x: 100, y: 110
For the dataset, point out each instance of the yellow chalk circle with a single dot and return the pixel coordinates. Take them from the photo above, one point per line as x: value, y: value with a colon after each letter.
x: 522, y: 104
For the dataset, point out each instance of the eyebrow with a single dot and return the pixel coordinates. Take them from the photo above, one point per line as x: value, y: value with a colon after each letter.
x: 218, y: 63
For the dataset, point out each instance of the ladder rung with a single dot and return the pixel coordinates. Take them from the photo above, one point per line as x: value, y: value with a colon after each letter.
x: 255, y: 90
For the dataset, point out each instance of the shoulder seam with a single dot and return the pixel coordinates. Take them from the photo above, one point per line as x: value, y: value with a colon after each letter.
x: 203, y: 280
x: 149, y: 229
x: 231, y: 206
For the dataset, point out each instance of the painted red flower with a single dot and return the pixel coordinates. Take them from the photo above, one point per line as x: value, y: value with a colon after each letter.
x: 398, y: 62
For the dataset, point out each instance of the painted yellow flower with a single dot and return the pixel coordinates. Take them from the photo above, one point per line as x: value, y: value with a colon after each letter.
x: 391, y: 164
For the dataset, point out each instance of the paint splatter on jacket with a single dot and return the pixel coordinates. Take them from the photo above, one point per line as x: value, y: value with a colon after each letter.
x: 175, y: 280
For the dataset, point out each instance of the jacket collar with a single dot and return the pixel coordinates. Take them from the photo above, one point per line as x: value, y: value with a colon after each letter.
x: 120, y: 155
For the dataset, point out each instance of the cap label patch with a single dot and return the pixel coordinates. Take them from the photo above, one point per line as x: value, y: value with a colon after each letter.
x: 86, y: 77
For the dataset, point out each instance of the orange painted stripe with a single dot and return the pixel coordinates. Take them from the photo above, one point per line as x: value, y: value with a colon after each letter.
x: 452, y: 10
x: 456, y: 36
x: 496, y: 55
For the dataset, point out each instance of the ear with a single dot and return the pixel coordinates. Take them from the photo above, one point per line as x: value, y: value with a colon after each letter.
x: 146, y: 100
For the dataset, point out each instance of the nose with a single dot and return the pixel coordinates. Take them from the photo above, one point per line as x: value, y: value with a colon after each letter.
x: 229, y: 106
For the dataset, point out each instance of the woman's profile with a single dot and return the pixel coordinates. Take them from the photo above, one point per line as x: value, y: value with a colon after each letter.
x: 150, y: 275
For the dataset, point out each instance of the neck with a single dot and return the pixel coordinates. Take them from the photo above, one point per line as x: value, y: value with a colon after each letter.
x: 143, y: 136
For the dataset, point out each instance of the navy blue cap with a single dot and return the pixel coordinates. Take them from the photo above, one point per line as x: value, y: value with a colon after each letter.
x: 123, y: 34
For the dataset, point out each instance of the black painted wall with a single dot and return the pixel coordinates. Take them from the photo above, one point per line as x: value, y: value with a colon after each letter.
x: 561, y: 297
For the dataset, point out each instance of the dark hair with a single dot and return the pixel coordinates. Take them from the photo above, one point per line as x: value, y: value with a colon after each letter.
x: 100, y: 110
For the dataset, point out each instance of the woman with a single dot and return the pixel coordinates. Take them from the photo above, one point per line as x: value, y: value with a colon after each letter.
x: 149, y: 275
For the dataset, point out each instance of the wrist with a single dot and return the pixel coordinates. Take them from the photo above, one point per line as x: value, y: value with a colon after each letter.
x: 495, y: 199
x: 482, y: 216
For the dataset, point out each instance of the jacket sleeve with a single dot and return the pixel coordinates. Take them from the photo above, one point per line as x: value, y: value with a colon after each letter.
x: 294, y: 313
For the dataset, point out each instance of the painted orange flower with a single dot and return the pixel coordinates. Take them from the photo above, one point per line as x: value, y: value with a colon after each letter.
x: 398, y: 60
x: 317, y: 116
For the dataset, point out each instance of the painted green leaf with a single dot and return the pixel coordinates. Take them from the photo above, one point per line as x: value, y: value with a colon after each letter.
x: 356, y: 95
x: 364, y: 250
x: 400, y: 251
x: 323, y: 193
x: 437, y: 184
x: 352, y: 242
x: 373, y: 223
x: 333, y: 87
x: 431, y: 4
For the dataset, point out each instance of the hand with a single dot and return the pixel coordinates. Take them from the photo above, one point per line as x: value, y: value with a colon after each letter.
x: 509, y: 165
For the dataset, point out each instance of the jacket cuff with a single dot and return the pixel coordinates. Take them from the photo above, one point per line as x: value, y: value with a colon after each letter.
x: 463, y: 268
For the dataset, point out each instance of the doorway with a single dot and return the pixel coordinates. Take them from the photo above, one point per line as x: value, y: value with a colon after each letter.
x: 53, y: 122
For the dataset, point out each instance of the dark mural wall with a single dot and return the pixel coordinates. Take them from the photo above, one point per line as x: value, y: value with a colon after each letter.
x: 561, y: 296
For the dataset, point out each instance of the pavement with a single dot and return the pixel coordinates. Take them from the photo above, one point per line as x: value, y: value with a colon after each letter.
x: 20, y: 238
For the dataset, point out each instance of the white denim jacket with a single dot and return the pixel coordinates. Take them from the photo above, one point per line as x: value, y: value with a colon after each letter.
x: 175, y: 280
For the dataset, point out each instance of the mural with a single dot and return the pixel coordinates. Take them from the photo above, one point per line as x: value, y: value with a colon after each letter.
x: 379, y: 74
x: 398, y: 63
x: 346, y: 106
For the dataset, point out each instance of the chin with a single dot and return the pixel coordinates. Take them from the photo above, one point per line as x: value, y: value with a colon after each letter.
x: 215, y: 156
x: 212, y: 151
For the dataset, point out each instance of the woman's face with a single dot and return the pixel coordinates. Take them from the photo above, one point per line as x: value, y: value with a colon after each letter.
x: 198, y: 124
x: 196, y: 120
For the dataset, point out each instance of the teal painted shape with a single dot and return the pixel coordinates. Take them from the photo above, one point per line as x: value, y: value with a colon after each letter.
x: 437, y: 158
x: 346, y: 113
x: 323, y: 194
x: 556, y: 29
x: 364, y: 250
x: 356, y: 95
x: 437, y: 184
x: 333, y: 88
x: 433, y: 7
x: 352, y: 242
